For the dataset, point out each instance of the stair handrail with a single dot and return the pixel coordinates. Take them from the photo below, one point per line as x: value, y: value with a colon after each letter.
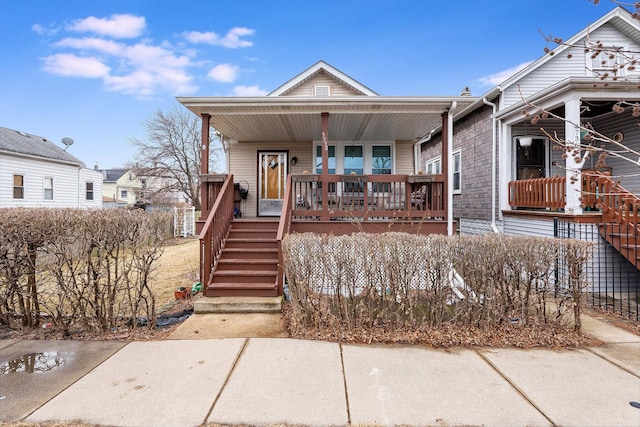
x: 283, y: 229
x: 618, y: 205
x: 215, y: 231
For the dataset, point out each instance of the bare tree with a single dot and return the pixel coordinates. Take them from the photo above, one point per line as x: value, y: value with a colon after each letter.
x: 171, y: 153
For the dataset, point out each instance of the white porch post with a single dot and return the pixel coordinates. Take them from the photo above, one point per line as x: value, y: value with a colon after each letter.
x: 573, y: 161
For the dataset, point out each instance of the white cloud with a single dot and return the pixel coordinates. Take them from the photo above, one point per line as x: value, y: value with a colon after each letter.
x: 69, y: 65
x: 499, y: 77
x: 44, y: 31
x: 249, y: 91
x: 117, y: 26
x: 91, y: 43
x: 224, y: 73
x: 231, y: 40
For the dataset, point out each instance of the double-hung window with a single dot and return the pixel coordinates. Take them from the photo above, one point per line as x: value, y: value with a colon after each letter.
x: 433, y: 166
x: 89, y: 190
x: 381, y: 165
x: 18, y: 186
x: 48, y: 188
x: 457, y: 172
x: 353, y: 159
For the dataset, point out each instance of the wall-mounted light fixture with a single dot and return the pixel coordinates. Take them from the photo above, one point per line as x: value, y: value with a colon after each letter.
x: 294, y: 160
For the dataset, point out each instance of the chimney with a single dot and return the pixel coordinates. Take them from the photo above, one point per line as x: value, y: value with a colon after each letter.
x: 95, y: 167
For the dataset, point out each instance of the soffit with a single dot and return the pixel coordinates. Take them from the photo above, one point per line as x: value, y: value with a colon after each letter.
x: 299, y: 119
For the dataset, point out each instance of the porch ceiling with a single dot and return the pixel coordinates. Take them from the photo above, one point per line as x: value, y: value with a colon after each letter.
x: 298, y: 119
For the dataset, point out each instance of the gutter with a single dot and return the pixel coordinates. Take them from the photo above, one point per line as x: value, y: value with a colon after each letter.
x: 493, y: 164
x: 416, y: 155
x: 454, y: 105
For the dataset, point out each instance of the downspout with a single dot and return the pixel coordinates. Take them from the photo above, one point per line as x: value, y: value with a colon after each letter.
x: 454, y: 105
x: 493, y: 165
x: 416, y: 155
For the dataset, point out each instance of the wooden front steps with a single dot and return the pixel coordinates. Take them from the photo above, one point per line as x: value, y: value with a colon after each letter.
x: 248, y: 265
x: 624, y: 239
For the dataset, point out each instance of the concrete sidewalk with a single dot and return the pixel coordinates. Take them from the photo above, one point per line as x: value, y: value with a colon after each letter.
x: 265, y: 381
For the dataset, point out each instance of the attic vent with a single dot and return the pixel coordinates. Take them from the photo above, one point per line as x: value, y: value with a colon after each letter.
x: 321, y: 91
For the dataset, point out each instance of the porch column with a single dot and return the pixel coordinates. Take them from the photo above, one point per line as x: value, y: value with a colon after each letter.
x: 325, y: 166
x: 573, y: 161
x: 204, y: 165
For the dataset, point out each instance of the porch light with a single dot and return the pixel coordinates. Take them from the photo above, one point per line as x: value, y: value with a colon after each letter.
x: 525, y: 141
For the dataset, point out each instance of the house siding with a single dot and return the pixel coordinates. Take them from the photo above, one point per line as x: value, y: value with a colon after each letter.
x: 562, y: 66
x: 68, y: 183
x: 323, y: 79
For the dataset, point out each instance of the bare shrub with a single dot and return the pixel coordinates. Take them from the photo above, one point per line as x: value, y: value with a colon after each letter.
x: 91, y: 267
x: 400, y: 281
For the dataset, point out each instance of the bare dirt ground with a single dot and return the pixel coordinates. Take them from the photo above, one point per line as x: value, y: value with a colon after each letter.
x: 178, y: 266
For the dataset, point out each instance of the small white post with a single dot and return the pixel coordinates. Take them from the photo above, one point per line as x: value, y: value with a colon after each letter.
x: 573, y: 161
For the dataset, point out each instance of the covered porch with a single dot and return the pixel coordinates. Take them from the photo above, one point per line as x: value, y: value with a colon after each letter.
x: 397, y: 197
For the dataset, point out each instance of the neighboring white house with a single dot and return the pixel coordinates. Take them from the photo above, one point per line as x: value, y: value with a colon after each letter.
x: 122, y: 188
x: 35, y: 172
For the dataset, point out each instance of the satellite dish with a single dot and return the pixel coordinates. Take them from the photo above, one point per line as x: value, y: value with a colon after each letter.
x: 67, y: 142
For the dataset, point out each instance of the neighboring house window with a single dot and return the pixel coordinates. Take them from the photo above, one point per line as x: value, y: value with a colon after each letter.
x: 89, y: 191
x: 608, y: 60
x: 321, y: 91
x: 48, y: 188
x: 332, y: 159
x: 457, y: 167
x: 353, y: 159
x: 433, y: 166
x: 18, y: 186
x: 123, y: 194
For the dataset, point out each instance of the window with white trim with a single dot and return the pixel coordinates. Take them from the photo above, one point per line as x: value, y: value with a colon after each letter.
x: 608, y: 60
x: 123, y: 194
x: 88, y: 194
x: 48, y: 188
x: 18, y: 186
x: 433, y: 166
x: 457, y: 172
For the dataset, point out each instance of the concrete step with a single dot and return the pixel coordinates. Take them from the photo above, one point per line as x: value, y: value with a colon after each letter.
x: 221, y: 289
x: 238, y: 305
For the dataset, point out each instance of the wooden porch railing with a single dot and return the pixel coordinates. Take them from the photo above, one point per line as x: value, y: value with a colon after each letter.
x: 283, y: 229
x: 550, y: 193
x: 216, y: 228
x: 367, y: 197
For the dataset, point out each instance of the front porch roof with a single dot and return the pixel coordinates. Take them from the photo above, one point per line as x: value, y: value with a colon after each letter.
x: 367, y: 118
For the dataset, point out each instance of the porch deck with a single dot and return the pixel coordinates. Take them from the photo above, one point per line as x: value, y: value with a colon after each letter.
x: 373, y: 204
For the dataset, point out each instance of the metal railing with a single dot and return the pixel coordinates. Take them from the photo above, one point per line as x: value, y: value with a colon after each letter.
x: 614, y: 281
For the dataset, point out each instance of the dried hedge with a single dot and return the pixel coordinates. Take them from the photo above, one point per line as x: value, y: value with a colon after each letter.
x: 403, y: 281
x: 78, y: 267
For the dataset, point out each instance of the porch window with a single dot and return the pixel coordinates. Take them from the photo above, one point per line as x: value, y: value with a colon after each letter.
x: 353, y: 159
x: 381, y: 165
x: 332, y: 159
x: 433, y: 166
x: 123, y: 194
x: 18, y: 186
x: 457, y: 167
x: 48, y: 188
x: 88, y: 190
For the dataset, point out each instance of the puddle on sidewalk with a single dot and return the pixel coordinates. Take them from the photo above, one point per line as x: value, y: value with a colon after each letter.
x: 34, y: 363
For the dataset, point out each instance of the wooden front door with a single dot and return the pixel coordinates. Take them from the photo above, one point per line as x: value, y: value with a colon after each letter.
x: 272, y: 177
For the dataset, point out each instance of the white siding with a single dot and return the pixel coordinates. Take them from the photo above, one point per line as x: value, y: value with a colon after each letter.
x: 561, y: 66
x: 90, y: 175
x: 323, y: 79
x: 67, y: 191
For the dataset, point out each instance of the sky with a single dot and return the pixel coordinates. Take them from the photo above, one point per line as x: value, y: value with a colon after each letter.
x: 96, y: 71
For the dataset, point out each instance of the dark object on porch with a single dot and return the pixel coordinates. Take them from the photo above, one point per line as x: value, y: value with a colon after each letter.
x: 242, y: 190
